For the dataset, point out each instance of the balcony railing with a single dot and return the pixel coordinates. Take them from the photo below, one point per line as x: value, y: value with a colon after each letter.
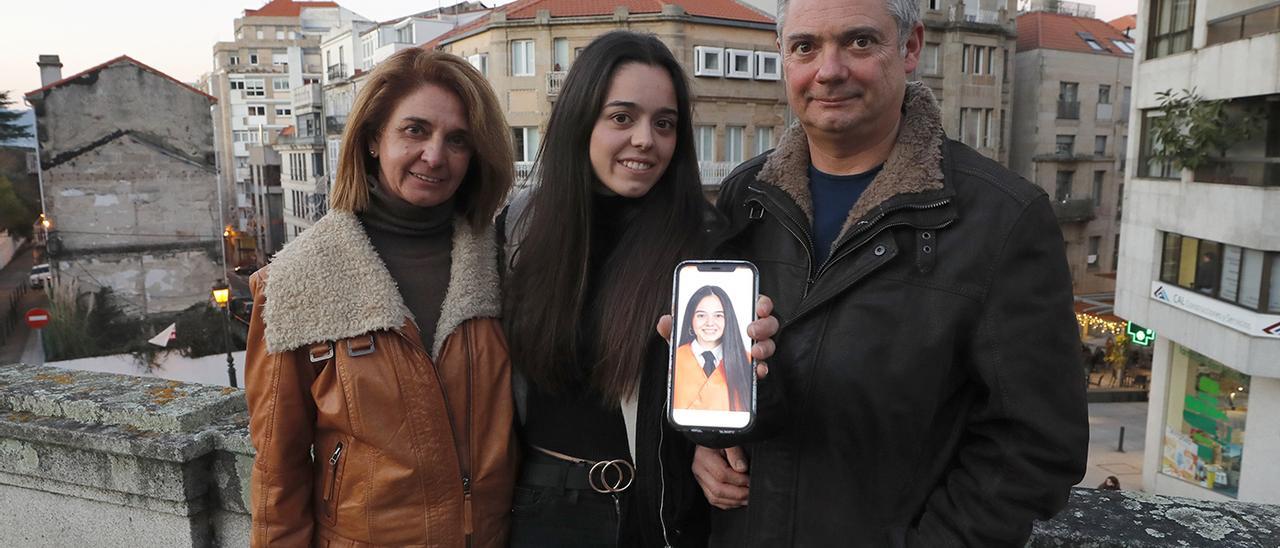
x: 1074, y: 210
x: 524, y: 174
x: 306, y: 97
x: 1247, y: 24
x: 555, y: 79
x: 338, y: 71
x: 990, y: 17
x: 1068, y: 110
x: 1241, y: 171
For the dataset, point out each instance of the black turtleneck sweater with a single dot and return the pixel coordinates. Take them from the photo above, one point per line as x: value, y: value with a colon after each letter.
x: 415, y: 244
x: 577, y: 421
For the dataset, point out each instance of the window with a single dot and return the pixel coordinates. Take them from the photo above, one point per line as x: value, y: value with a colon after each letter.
x: 991, y: 57
x: 253, y: 58
x: 1095, y: 247
x: 1126, y: 47
x: 1091, y: 41
x: 280, y: 84
x: 739, y: 63
x: 560, y: 54
x: 733, y: 144
x: 522, y: 58
x: 404, y: 34
x: 254, y: 88
x: 293, y: 35
x: 1098, y: 178
x: 1068, y: 101
x: 768, y: 65
x: 257, y: 110
x: 526, y: 141
x: 1170, y: 28
x: 1241, y: 276
x: 935, y: 5
x: 1115, y: 255
x: 1104, y: 94
x: 233, y: 59
x: 764, y: 139
x: 705, y: 137
x: 1100, y: 145
x: 280, y: 59
x: 709, y: 61
x: 976, y: 127
x: 1062, y: 192
x: 987, y: 140
x: 979, y: 60
x: 1148, y: 166
x: 481, y: 62
x: 284, y: 111
x: 236, y: 84
x: 259, y: 34
x: 929, y: 59
x: 964, y: 59
x: 1204, y: 436
x: 1065, y: 145
x: 279, y: 35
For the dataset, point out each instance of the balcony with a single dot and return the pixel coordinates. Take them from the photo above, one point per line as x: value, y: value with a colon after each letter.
x: 987, y: 17
x: 524, y: 174
x: 1068, y: 110
x: 337, y: 72
x: 307, y: 97
x: 713, y: 173
x: 1074, y: 210
x: 1264, y: 172
x: 1246, y: 24
x: 555, y: 79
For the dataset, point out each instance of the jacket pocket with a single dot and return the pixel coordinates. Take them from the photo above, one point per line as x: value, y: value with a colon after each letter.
x: 331, y: 481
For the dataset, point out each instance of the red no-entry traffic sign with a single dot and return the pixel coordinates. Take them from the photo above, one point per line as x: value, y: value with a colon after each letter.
x: 37, y: 318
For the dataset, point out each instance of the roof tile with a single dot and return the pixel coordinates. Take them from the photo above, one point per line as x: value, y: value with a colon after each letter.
x: 1056, y: 31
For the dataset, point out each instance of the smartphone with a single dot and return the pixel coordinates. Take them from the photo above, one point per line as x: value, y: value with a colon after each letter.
x: 711, y: 381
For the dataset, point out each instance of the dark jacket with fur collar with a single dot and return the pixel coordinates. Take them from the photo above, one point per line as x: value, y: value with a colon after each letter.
x: 928, y: 370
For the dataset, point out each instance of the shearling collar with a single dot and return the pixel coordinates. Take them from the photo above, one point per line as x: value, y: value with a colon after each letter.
x: 330, y: 284
x: 914, y: 165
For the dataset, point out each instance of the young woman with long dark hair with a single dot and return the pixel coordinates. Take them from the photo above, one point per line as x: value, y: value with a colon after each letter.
x: 712, y: 367
x: 591, y: 253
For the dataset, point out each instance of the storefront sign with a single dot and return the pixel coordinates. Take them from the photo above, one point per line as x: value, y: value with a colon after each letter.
x: 1245, y: 321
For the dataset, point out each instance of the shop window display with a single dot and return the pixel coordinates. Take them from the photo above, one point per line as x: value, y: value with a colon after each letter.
x: 1204, y: 428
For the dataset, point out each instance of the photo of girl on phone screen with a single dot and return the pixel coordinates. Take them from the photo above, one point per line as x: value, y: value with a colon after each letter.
x: 713, y: 369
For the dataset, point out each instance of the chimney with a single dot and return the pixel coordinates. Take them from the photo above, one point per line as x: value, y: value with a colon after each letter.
x: 50, y: 69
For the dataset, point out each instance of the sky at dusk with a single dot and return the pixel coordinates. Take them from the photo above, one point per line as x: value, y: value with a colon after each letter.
x: 174, y: 37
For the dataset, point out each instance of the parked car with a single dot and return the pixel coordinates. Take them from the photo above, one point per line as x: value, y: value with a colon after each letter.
x: 40, y: 274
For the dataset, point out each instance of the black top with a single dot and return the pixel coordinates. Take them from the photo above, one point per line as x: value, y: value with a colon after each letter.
x: 833, y: 197
x: 577, y: 421
x: 415, y: 244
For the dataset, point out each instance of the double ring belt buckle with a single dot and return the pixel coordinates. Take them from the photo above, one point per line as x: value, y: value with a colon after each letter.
x: 611, y: 476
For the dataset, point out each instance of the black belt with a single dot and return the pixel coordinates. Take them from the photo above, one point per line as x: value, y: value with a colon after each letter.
x: 605, y: 477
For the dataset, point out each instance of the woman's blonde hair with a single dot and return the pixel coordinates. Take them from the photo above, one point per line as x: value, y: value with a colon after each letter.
x: 492, y: 168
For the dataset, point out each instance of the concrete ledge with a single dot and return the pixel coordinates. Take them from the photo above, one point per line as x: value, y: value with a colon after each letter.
x: 1132, y: 519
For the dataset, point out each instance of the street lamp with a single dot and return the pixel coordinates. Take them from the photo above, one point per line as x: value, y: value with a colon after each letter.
x: 221, y: 295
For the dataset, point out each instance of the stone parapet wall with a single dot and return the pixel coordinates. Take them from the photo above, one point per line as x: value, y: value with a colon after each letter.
x: 99, y: 459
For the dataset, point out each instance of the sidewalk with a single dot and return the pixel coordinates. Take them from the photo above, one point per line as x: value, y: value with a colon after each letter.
x: 12, y: 277
x: 1105, y: 421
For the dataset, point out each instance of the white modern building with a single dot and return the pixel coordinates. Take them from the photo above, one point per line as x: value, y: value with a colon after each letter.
x: 1200, y: 253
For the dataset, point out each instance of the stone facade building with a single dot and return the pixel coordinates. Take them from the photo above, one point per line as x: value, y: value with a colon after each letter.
x: 1070, y: 119
x: 130, y: 183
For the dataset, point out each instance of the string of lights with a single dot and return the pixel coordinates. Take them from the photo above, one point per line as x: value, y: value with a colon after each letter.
x: 1092, y: 323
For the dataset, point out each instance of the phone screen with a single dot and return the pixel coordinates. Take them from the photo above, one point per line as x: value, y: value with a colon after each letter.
x: 711, y: 375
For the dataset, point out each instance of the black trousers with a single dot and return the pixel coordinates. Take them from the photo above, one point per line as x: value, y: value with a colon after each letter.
x: 554, y: 516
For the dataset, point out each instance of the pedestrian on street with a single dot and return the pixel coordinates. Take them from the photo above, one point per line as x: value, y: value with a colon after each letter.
x: 928, y: 355
x: 377, y: 375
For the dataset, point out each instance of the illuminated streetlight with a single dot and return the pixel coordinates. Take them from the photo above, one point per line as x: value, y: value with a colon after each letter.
x: 221, y: 296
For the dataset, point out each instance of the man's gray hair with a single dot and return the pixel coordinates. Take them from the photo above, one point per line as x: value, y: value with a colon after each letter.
x: 905, y: 12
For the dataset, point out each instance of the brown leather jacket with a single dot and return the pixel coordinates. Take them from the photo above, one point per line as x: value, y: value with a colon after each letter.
x: 412, y: 446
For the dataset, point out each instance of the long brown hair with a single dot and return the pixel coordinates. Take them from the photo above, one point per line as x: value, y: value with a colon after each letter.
x: 547, y: 288
x: 492, y: 164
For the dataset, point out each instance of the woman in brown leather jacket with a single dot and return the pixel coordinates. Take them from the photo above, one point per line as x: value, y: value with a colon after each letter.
x: 377, y: 375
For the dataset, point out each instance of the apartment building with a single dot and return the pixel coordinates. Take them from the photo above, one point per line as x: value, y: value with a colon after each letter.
x: 276, y: 50
x: 967, y: 61
x: 1070, y: 117
x: 1200, y: 252
x: 728, y: 49
x: 129, y: 182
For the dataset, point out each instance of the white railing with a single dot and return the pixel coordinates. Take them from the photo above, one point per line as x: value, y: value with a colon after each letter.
x: 307, y: 96
x: 524, y: 174
x: 555, y: 79
x: 983, y: 16
x: 714, y: 172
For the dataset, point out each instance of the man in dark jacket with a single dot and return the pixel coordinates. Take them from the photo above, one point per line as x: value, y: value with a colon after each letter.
x: 927, y: 367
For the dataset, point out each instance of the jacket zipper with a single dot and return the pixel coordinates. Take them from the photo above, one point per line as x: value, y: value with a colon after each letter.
x: 866, y: 225
x: 463, y: 459
x: 806, y: 242
x: 333, y: 478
